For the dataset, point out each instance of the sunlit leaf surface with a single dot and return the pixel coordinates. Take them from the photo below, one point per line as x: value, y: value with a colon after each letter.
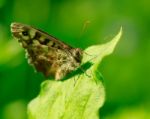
x: 78, y: 97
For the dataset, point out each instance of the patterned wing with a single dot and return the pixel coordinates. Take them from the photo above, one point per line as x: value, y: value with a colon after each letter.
x: 47, y: 54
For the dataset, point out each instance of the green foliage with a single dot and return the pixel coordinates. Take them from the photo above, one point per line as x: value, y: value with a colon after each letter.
x: 126, y: 71
x: 80, y: 96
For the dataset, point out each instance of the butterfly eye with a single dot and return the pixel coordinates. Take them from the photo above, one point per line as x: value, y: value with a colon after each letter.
x: 25, y: 33
x: 77, y: 52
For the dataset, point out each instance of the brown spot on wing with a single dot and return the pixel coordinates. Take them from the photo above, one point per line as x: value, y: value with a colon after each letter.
x: 37, y: 35
x: 46, y: 41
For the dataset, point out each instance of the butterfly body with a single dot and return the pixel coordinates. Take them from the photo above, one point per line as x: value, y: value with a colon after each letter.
x: 47, y: 54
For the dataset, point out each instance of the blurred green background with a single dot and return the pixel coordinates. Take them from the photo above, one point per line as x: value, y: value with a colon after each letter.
x: 126, y: 71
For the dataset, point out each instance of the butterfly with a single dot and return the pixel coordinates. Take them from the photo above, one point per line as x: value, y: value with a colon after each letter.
x: 46, y: 53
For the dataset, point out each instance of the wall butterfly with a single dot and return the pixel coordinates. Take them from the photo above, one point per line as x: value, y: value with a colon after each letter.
x: 46, y: 53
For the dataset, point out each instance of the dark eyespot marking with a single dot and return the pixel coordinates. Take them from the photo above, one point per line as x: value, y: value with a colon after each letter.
x: 25, y: 33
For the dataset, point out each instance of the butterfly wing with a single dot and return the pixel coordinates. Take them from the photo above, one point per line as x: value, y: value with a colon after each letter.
x: 46, y: 53
x: 27, y: 35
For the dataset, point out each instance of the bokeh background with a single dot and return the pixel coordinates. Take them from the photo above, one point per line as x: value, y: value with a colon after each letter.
x: 80, y: 23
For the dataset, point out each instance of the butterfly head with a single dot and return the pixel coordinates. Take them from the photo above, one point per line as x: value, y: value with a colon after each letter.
x: 77, y: 53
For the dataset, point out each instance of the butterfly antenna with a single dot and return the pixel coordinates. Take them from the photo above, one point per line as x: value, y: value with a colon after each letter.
x: 87, y: 53
x: 85, y: 25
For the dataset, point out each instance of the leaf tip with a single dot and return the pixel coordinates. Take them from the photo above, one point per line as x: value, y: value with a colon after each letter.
x: 120, y: 31
x: 119, y: 34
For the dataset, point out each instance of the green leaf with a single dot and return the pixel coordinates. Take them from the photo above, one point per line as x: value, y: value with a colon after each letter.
x: 78, y: 97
